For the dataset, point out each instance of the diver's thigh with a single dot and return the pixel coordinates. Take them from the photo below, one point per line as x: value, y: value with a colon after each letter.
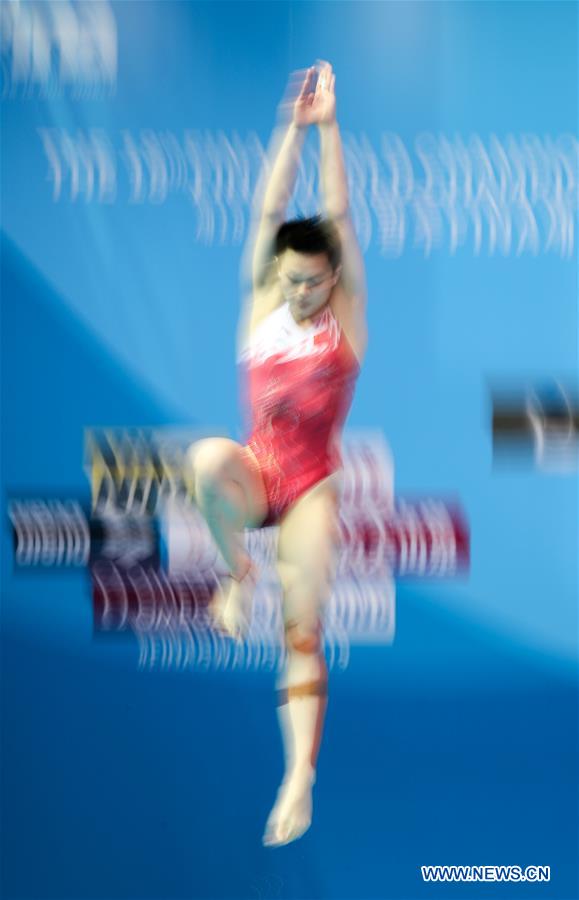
x: 306, y: 554
x: 309, y: 529
x: 220, y: 459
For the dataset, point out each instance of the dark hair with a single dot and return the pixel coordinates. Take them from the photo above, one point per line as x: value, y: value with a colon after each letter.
x: 314, y: 235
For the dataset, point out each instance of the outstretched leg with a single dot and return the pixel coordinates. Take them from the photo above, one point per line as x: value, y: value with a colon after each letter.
x: 305, y: 564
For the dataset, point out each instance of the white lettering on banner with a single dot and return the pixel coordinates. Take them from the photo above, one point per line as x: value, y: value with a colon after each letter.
x: 555, y: 438
x: 419, y: 540
x: 49, y: 533
x: 173, y: 632
x: 513, y: 196
x: 56, y: 45
x: 83, y: 166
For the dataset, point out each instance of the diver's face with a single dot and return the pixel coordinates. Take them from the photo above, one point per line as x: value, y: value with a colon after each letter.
x: 306, y: 282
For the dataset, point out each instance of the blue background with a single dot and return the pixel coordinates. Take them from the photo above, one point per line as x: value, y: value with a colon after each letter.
x: 458, y: 744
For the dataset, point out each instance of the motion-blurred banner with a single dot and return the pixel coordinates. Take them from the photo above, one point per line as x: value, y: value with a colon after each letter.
x: 261, y: 479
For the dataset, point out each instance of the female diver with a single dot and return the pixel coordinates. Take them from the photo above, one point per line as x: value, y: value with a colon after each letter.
x: 302, y: 340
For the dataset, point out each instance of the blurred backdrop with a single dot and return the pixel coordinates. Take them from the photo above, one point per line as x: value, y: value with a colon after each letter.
x: 132, y: 137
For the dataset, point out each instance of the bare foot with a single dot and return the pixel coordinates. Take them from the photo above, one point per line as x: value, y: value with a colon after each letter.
x: 232, y: 605
x: 291, y: 815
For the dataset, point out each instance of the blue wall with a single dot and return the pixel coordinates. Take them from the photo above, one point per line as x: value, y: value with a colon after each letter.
x: 119, y: 306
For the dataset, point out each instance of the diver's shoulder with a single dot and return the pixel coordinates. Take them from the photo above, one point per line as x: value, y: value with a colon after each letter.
x: 264, y: 321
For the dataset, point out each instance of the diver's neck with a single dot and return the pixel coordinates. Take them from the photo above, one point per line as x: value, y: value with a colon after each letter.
x: 309, y: 320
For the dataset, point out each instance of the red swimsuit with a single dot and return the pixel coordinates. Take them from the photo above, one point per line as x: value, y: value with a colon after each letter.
x: 300, y: 386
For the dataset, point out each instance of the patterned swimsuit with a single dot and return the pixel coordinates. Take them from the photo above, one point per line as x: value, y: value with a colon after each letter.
x: 300, y: 384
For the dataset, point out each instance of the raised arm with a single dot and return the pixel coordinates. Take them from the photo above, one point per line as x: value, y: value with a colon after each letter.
x: 277, y: 181
x: 334, y: 184
x: 272, y: 200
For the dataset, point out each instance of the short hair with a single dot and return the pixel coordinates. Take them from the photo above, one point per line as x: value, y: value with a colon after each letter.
x: 312, y: 236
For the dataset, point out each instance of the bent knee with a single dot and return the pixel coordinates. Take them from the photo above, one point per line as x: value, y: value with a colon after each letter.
x: 212, y: 459
x: 302, y: 638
